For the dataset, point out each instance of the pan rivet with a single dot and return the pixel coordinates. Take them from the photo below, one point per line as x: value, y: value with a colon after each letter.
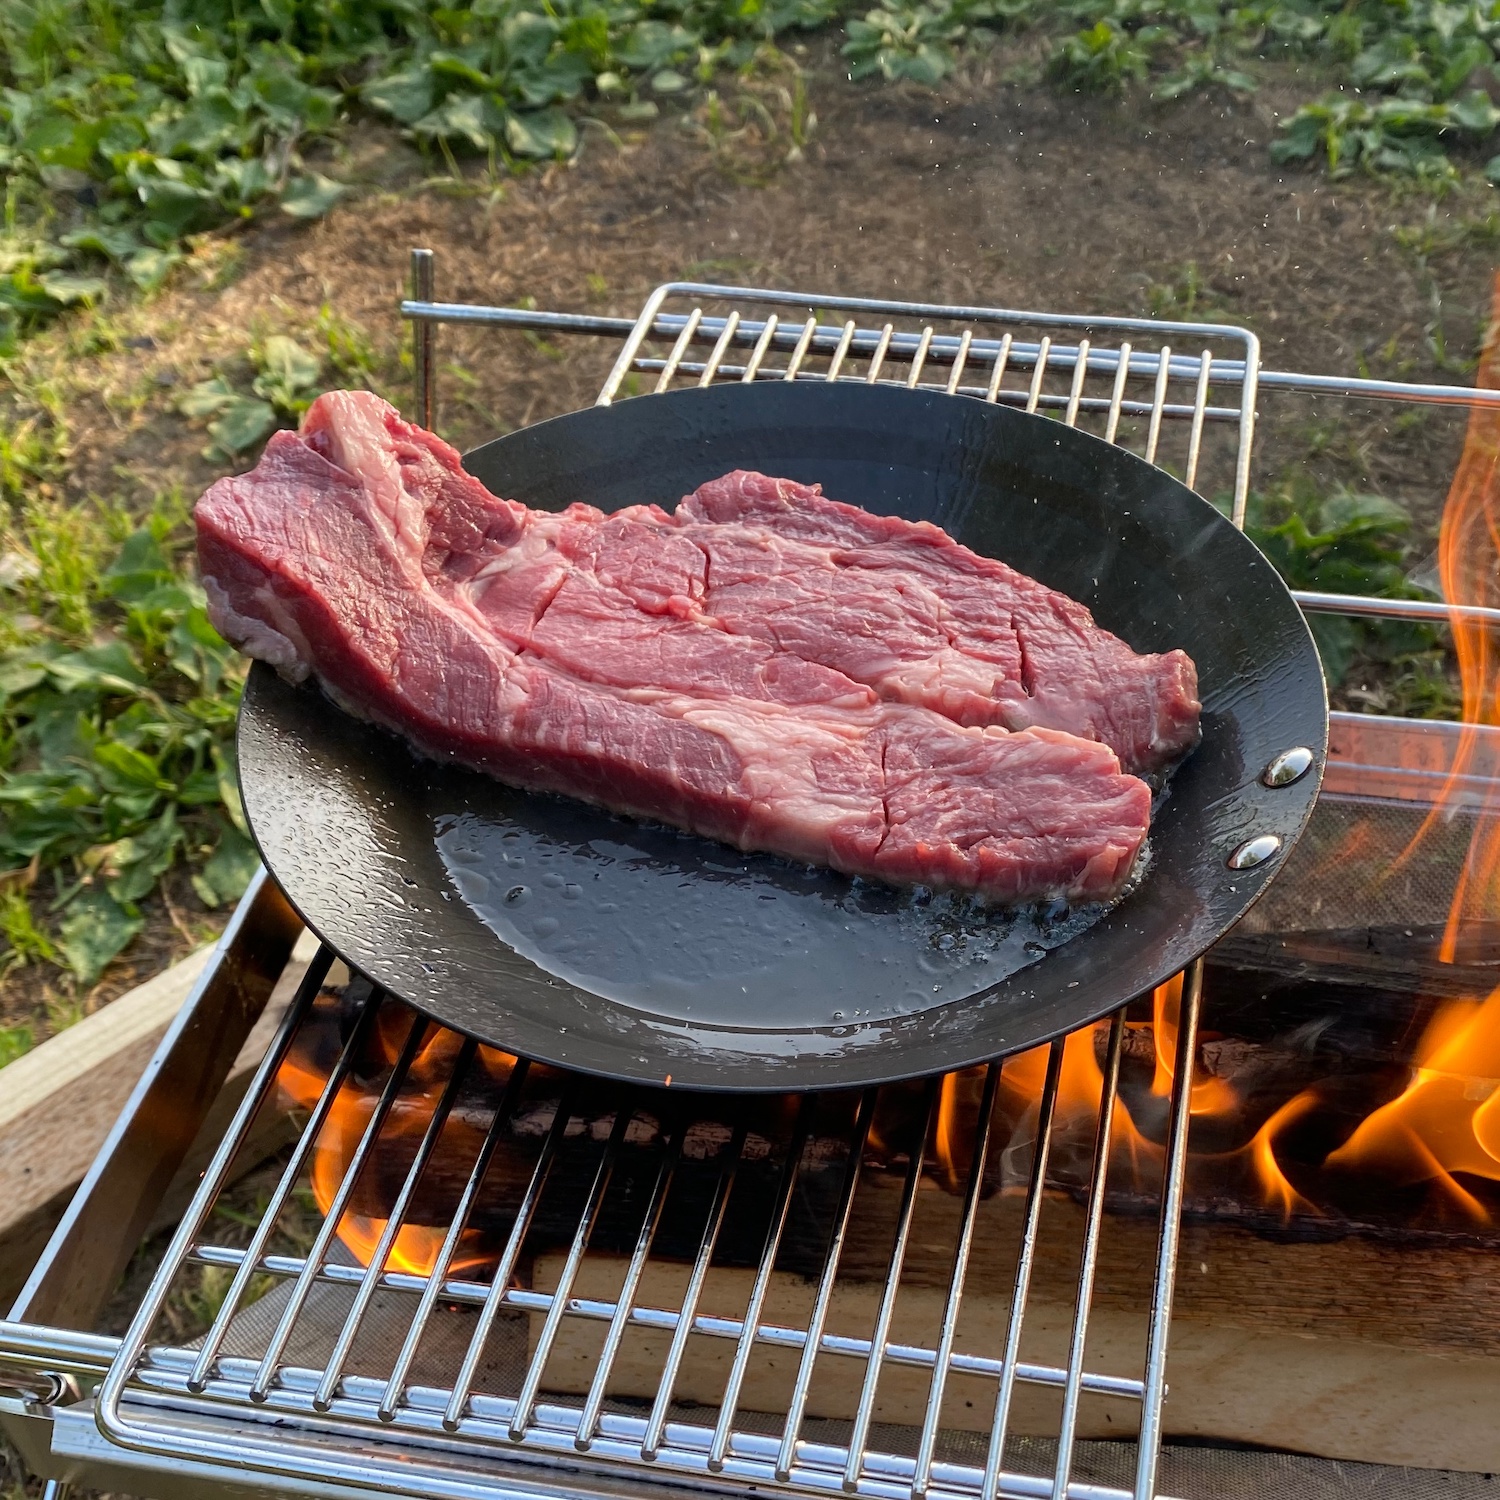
x: 1291, y: 765
x: 1254, y: 852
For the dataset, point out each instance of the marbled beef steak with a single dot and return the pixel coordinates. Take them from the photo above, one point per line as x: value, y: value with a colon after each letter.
x: 765, y: 666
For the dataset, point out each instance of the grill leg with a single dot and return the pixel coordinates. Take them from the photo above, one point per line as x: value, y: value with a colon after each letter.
x: 422, y: 334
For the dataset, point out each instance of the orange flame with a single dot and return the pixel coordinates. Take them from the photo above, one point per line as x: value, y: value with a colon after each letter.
x: 1275, y: 1187
x: 1214, y: 1096
x: 415, y: 1247
x: 1468, y: 557
x: 1211, y: 1095
x: 1447, y: 1119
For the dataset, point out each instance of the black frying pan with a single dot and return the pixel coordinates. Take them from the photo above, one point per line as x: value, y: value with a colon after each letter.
x: 551, y: 929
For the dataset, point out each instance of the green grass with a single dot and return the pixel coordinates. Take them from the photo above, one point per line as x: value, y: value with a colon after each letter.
x: 117, y: 697
x: 117, y: 707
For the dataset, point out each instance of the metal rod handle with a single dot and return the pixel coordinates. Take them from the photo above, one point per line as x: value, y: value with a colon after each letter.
x: 423, y: 332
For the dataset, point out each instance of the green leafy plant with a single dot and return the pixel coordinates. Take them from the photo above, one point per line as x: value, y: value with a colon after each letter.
x: 1400, y: 135
x: 286, y: 379
x: 117, y: 707
x: 129, y: 126
x: 15, y: 1041
x: 1105, y: 56
x: 903, y: 41
x: 1351, y: 543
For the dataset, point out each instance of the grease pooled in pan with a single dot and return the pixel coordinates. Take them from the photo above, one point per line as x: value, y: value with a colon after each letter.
x: 694, y: 930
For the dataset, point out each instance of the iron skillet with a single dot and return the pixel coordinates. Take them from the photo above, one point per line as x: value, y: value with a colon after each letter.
x: 551, y: 929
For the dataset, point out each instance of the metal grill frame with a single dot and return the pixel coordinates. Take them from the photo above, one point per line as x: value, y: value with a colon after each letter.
x: 732, y: 1454
x: 146, y: 1404
x: 146, y: 1391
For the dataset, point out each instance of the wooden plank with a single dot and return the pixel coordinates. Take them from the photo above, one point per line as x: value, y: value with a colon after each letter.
x: 57, y: 1104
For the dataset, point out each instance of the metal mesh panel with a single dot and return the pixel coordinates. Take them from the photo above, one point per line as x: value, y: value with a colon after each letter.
x: 1190, y: 409
x: 730, y: 1290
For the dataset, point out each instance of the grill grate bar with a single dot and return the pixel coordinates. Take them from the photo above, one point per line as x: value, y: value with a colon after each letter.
x: 800, y: 352
x: 841, y: 351
x: 1200, y: 410
x: 1038, y: 370
x: 878, y: 358
x: 304, y: 1283
x: 1025, y: 1262
x: 679, y: 349
x: 721, y: 348
x: 436, y: 1283
x: 1149, y: 1448
x: 797, y: 1408
x: 316, y: 973
x: 927, y: 1444
x: 506, y: 1266
x: 1158, y: 402
x: 370, y: 1282
x: 750, y: 1461
x: 859, y: 1436
x: 594, y: 1402
x: 1080, y: 374
x: 602, y: 1310
x: 997, y: 374
x: 959, y: 361
x: 1117, y: 396
x: 532, y: 1383
x: 762, y: 344
x: 1089, y: 1260
x: 729, y: 1405
x: 919, y: 358
x: 687, y: 1314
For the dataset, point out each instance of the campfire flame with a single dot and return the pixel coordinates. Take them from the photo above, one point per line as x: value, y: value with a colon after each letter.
x: 1447, y: 1119
x: 301, y: 1079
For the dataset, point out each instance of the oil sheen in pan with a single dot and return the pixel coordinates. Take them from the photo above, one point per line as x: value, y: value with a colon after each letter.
x: 684, y: 927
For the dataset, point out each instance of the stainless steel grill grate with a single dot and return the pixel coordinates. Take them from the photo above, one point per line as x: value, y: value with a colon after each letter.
x: 590, y: 1202
x: 521, y: 1405
x: 1124, y: 392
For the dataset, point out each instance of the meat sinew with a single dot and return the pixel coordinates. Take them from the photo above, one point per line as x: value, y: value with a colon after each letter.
x: 615, y: 658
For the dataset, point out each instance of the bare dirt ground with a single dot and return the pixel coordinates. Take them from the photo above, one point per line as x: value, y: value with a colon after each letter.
x: 983, y: 193
x: 986, y: 193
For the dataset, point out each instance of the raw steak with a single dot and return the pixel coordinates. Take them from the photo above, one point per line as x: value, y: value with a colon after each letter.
x: 574, y: 653
x: 903, y: 607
